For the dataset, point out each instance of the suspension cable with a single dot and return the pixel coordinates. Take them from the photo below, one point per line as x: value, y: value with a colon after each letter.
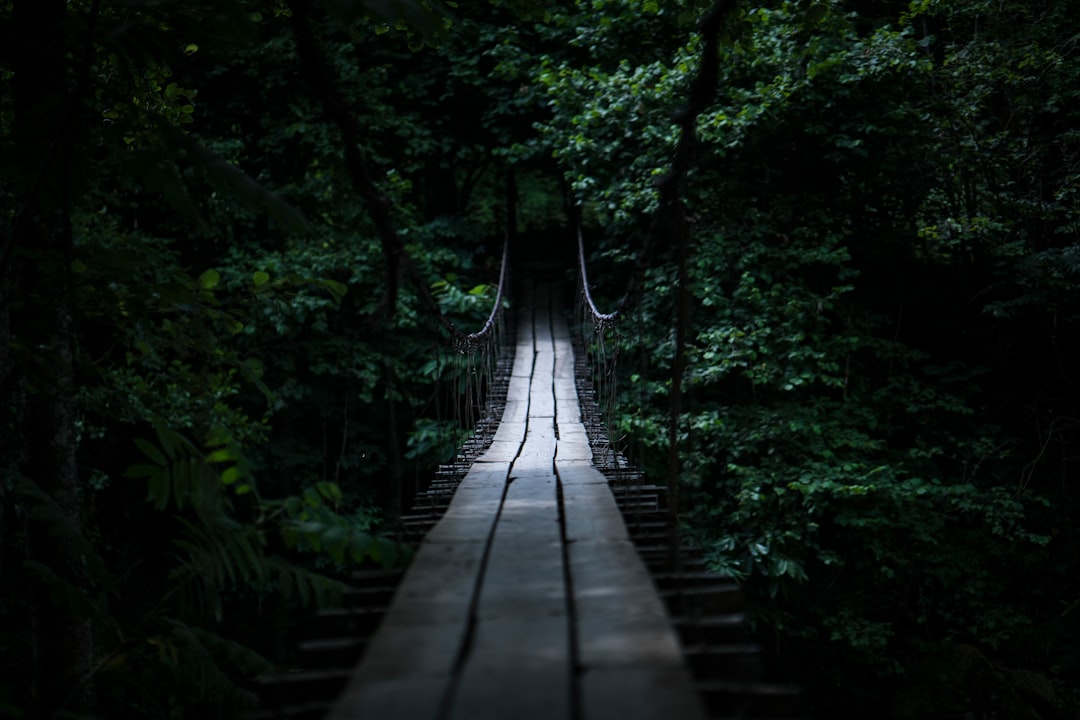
x: 464, y: 342
x: 600, y: 320
x: 604, y: 363
x: 468, y: 343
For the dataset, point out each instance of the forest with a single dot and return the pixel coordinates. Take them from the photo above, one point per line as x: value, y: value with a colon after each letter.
x: 224, y: 226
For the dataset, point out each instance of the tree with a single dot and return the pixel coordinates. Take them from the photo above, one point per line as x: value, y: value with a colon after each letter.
x: 845, y: 441
x: 35, y: 275
x: 189, y: 310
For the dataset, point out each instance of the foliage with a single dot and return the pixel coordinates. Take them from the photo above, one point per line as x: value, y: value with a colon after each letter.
x: 878, y: 373
x: 242, y: 415
x: 880, y: 396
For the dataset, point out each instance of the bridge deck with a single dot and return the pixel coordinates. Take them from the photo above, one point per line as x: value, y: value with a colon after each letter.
x: 528, y: 599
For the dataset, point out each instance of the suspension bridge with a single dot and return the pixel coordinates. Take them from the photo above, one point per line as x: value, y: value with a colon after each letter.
x: 544, y: 585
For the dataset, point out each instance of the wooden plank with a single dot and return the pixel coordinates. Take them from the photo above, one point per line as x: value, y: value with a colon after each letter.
x: 571, y: 430
x: 408, y: 667
x: 541, y: 394
x: 510, y: 432
x: 563, y: 369
x: 515, y: 686
x: 524, y: 576
x: 623, y: 634
x: 470, y: 517
x: 500, y: 451
x: 591, y: 514
x: 474, y: 506
x: 565, y: 389
x: 570, y: 450
x: 542, y: 339
x: 621, y: 618
x: 638, y: 694
x: 519, y: 661
x: 539, y: 449
x: 527, y: 522
x: 526, y: 552
x: 566, y: 397
x: 437, y: 588
x: 487, y: 475
x: 515, y: 411
x: 404, y: 698
x: 525, y: 344
x: 541, y: 427
x: 571, y: 473
x: 625, y: 640
x: 522, y: 372
x: 516, y: 405
x: 544, y: 365
x: 541, y: 403
x: 566, y: 410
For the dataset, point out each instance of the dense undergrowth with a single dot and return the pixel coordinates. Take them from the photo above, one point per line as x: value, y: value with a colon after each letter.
x: 881, y: 365
x: 210, y: 413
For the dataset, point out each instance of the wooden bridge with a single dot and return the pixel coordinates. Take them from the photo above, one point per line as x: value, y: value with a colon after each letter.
x: 528, y: 598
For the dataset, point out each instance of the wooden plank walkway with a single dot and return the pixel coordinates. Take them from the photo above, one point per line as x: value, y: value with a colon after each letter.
x: 527, y: 601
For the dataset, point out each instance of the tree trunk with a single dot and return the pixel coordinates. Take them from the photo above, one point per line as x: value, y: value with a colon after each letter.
x: 8, y: 457
x: 62, y: 640
x: 63, y: 646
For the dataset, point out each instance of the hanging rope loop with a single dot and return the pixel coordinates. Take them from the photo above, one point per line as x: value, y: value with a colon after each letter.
x: 601, y: 321
x: 469, y: 343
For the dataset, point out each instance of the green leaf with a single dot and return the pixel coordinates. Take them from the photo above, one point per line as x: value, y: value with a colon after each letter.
x: 390, y: 555
x: 230, y: 475
x: 330, y: 490
x: 210, y: 279
x: 151, y: 451
x: 260, y: 278
x: 336, y: 289
x: 221, y: 455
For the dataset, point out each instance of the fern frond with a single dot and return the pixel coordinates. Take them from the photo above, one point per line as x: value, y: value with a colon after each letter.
x: 216, y: 558
x: 309, y: 585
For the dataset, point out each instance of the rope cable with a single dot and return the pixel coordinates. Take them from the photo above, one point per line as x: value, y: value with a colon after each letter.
x: 465, y: 343
x: 598, y: 318
x: 605, y: 367
x: 475, y: 358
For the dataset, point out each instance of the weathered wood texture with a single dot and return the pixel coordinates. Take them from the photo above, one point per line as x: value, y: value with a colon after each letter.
x: 527, y: 600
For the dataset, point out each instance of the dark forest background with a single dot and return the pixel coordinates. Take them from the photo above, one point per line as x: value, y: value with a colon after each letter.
x: 222, y: 221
